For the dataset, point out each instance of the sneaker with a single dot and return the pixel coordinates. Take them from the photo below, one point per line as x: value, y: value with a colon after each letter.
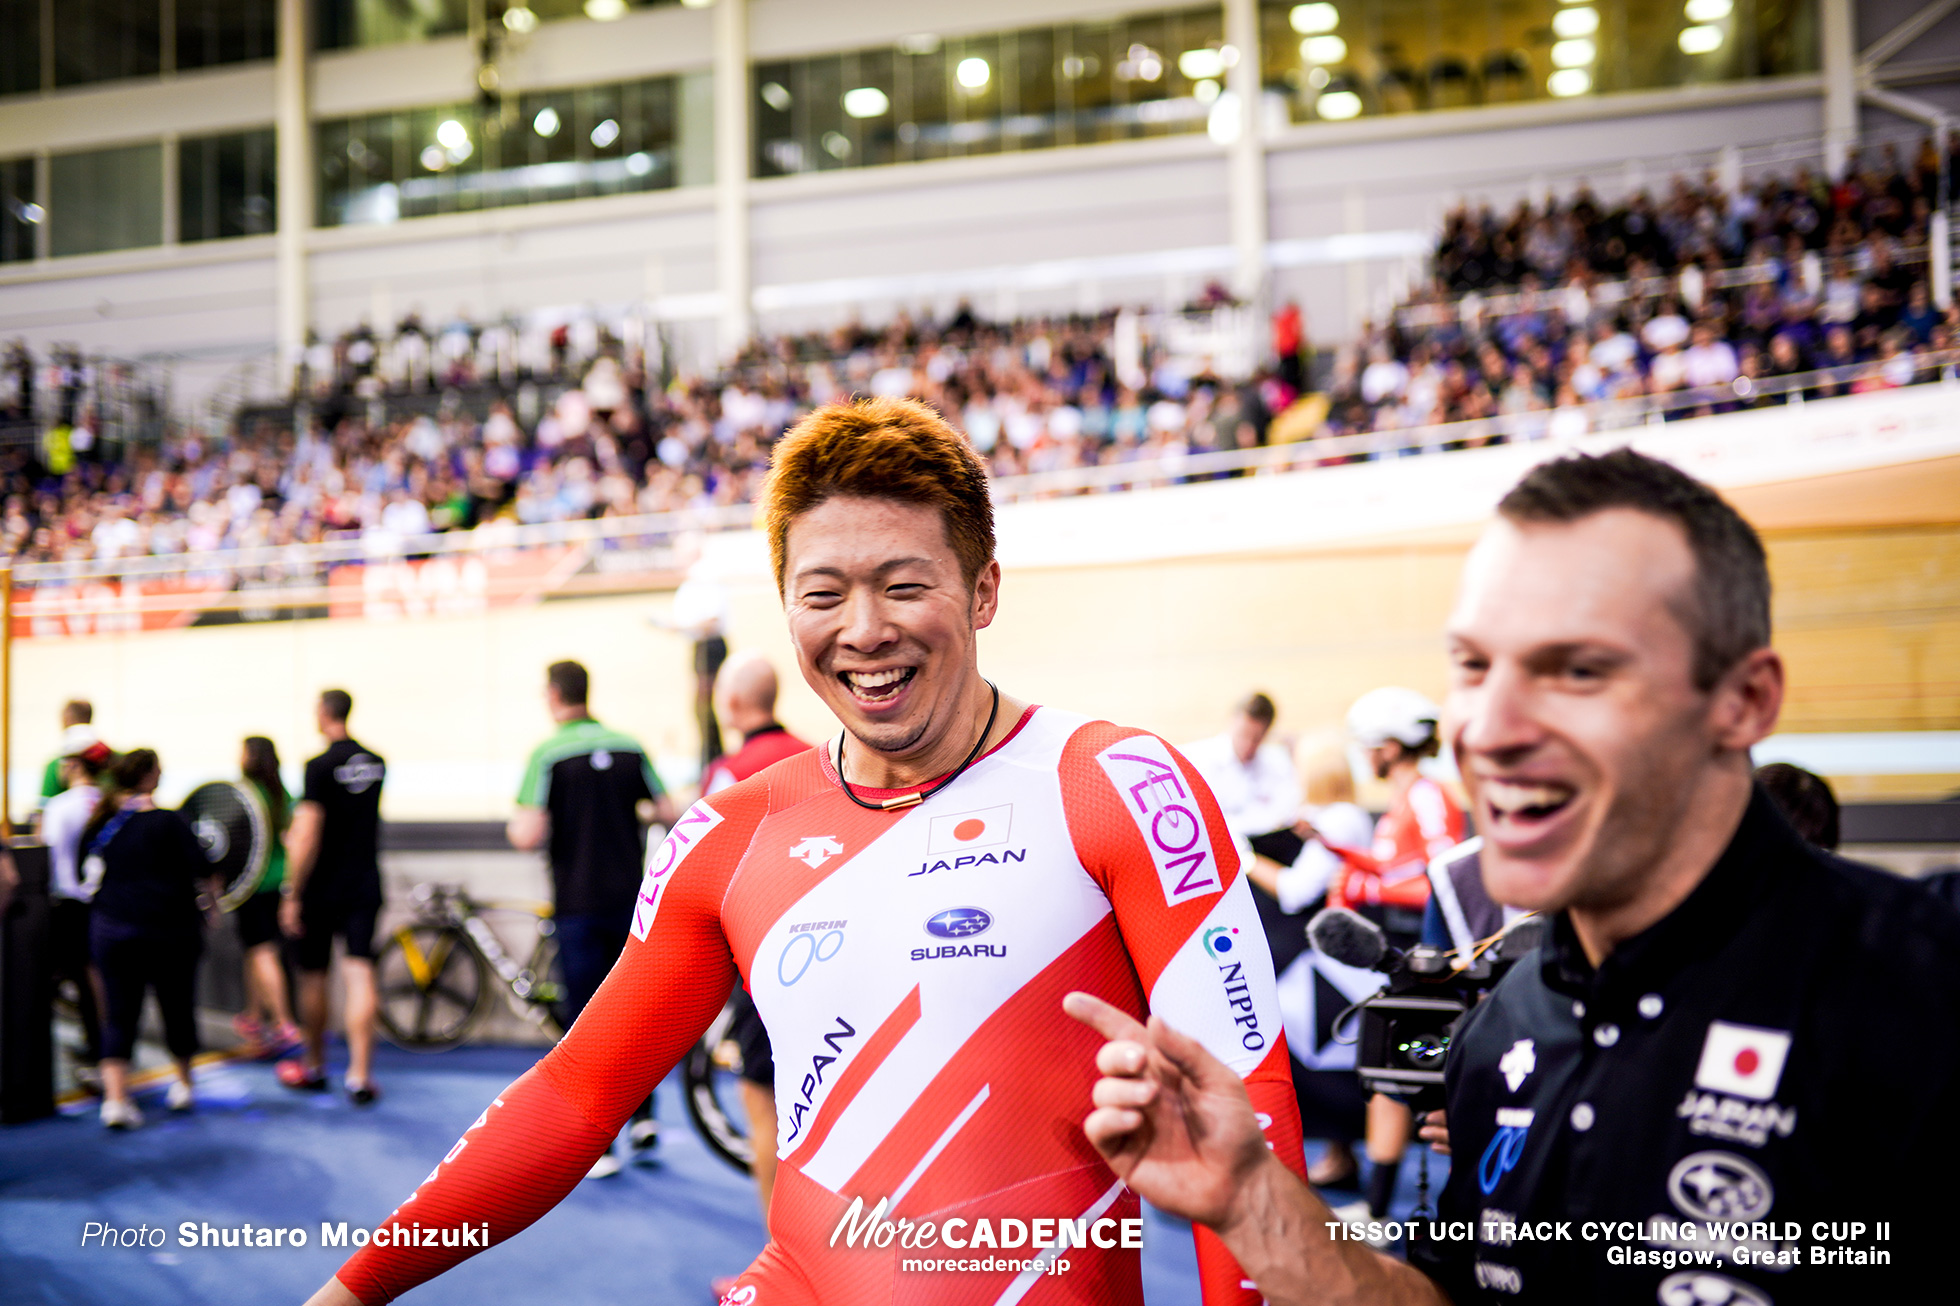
x: 121, y: 1115
x: 605, y: 1167
x: 279, y: 1041
x: 643, y: 1134
x: 180, y: 1097
x: 294, y: 1074
x: 363, y: 1094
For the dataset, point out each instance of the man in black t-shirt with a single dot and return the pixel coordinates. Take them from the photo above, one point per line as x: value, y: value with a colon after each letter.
x: 333, y: 887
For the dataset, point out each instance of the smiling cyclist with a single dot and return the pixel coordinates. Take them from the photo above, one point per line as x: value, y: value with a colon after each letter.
x: 907, y: 904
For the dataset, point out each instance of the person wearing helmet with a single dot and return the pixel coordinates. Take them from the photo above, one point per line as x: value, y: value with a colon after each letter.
x: 1397, y: 729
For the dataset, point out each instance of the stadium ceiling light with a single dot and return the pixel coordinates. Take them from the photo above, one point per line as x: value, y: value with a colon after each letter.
x: 1709, y: 11
x: 605, y: 133
x: 1338, y: 105
x: 546, y: 124
x: 776, y: 96
x: 1579, y: 22
x: 1318, y: 17
x: 1569, y: 82
x: 837, y: 145
x: 1206, y: 91
x: 604, y: 11
x: 866, y: 102
x: 1573, y: 54
x: 1201, y: 63
x: 452, y: 135
x: 521, y: 19
x: 639, y: 164
x: 434, y: 159
x: 1700, y: 40
x: 1323, y: 49
x: 973, y: 72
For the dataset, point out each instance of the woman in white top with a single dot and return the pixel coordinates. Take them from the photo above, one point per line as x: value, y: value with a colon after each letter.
x: 61, y: 829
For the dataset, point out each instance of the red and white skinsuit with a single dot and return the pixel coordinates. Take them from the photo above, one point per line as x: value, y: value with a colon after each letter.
x: 910, y: 966
x: 1422, y: 825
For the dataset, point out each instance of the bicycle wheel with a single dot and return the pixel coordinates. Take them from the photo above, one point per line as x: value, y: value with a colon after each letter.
x: 709, y: 1082
x: 433, y: 986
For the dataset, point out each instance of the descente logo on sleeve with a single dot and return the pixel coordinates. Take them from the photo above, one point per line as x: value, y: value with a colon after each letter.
x: 1166, y: 815
x: 683, y: 839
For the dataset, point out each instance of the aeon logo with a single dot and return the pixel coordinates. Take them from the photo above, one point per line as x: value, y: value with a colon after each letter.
x: 1165, y: 810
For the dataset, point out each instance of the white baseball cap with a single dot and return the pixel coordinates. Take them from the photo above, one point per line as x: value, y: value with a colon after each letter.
x: 76, y: 740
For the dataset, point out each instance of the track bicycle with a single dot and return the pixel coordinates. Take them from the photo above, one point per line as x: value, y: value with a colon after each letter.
x: 438, y: 975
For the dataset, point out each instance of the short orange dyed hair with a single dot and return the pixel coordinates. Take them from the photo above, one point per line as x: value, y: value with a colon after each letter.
x: 881, y: 449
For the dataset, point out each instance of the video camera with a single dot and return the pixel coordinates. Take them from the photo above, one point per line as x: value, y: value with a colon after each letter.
x: 1406, y: 1028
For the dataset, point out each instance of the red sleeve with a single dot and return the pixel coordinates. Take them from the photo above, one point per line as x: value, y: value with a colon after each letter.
x: 539, y: 1137
x: 1148, y: 829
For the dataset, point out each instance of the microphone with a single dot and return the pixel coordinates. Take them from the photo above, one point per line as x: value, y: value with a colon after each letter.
x: 1347, y: 937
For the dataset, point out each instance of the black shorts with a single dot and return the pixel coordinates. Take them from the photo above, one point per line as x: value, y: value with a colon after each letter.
x: 319, y: 922
x: 709, y: 654
x: 752, y: 1037
x: 258, y: 919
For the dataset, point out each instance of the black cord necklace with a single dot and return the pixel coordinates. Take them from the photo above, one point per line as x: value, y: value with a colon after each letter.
x: 913, y: 800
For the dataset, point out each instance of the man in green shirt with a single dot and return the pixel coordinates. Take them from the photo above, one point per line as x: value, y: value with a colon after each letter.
x: 588, y: 795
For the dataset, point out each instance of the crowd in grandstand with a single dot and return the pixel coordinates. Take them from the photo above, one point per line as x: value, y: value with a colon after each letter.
x: 1707, y: 297
x: 1531, y: 316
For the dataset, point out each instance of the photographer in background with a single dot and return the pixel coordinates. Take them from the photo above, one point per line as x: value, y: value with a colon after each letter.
x: 1719, y: 1006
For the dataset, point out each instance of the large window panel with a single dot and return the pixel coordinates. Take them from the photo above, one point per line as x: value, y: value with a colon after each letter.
x: 610, y: 139
x: 1339, y: 59
x: 343, y: 24
x: 213, y: 32
x: 20, y: 216
x: 20, y: 46
x: 97, y: 40
x: 1031, y: 89
x: 226, y: 186
x: 106, y: 199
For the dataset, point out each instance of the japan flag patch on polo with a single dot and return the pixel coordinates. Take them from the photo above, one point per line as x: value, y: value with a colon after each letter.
x: 1743, y: 1060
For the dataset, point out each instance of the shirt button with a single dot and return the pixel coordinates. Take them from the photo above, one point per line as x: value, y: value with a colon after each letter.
x: 1578, y: 1010
x: 1582, y: 1117
x: 1651, y: 1005
x: 1606, y: 1035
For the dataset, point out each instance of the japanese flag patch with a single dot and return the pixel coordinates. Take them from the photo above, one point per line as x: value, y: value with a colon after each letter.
x: 1743, y: 1060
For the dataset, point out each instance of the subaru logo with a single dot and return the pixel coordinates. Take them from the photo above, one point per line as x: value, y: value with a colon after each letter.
x: 959, y: 923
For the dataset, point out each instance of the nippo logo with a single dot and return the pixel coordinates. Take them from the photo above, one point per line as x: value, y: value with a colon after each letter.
x: 1166, y: 815
x: 956, y: 833
x: 1219, y: 941
x: 684, y: 838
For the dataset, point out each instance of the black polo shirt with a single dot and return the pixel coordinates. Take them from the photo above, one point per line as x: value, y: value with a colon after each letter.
x: 592, y: 780
x: 1781, y: 1049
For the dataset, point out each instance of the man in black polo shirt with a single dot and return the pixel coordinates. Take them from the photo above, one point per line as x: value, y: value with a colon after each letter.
x: 591, y: 792
x: 333, y: 887
x: 1731, y: 1040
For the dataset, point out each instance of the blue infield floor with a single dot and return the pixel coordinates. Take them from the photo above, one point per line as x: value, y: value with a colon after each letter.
x: 254, y: 1151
